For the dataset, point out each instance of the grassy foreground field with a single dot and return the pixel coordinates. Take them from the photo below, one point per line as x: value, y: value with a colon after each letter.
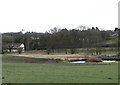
x: 17, y: 70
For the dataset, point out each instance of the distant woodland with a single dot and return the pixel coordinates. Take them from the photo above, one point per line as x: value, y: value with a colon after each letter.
x: 63, y: 39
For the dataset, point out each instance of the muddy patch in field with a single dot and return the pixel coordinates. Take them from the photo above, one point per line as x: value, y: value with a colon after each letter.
x: 22, y: 59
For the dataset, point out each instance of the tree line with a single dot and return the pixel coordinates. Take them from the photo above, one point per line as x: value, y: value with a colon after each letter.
x: 59, y: 39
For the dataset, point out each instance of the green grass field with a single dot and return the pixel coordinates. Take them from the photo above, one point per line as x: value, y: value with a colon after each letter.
x: 16, y: 70
x: 110, y: 42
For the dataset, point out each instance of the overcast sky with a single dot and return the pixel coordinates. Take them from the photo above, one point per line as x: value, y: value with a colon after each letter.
x: 42, y: 15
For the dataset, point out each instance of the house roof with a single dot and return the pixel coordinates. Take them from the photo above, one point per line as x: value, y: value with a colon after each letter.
x: 13, y: 44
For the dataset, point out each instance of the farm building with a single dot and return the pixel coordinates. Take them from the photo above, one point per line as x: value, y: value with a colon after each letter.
x: 115, y: 33
x: 13, y: 47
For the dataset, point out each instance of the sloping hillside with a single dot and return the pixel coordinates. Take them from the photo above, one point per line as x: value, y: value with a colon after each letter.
x: 112, y: 41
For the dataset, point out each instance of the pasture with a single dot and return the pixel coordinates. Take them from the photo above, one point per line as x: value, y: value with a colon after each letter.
x: 18, y: 69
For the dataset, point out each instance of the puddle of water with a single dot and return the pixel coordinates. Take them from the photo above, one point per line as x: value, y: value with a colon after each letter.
x: 78, y: 62
x: 108, y: 61
x: 105, y: 61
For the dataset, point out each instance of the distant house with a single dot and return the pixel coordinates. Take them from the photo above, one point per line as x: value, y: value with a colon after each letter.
x: 13, y: 47
x: 115, y: 33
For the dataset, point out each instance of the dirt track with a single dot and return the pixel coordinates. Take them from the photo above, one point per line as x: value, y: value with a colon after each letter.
x: 55, y: 56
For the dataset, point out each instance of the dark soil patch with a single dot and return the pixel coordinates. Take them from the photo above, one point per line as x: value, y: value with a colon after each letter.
x: 109, y: 78
x: 20, y: 59
x: 3, y: 77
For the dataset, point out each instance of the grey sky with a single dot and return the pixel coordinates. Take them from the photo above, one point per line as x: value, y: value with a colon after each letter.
x: 42, y: 15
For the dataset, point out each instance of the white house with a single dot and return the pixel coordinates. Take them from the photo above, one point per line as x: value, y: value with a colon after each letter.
x: 14, y: 47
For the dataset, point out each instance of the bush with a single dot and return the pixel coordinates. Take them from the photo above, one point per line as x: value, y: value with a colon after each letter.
x: 93, y: 60
x: 19, y: 50
x: 114, y: 57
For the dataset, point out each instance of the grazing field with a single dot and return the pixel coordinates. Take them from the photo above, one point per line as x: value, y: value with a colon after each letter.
x: 17, y: 69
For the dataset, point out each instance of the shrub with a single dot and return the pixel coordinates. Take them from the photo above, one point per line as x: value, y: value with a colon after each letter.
x: 19, y: 50
x: 93, y: 60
